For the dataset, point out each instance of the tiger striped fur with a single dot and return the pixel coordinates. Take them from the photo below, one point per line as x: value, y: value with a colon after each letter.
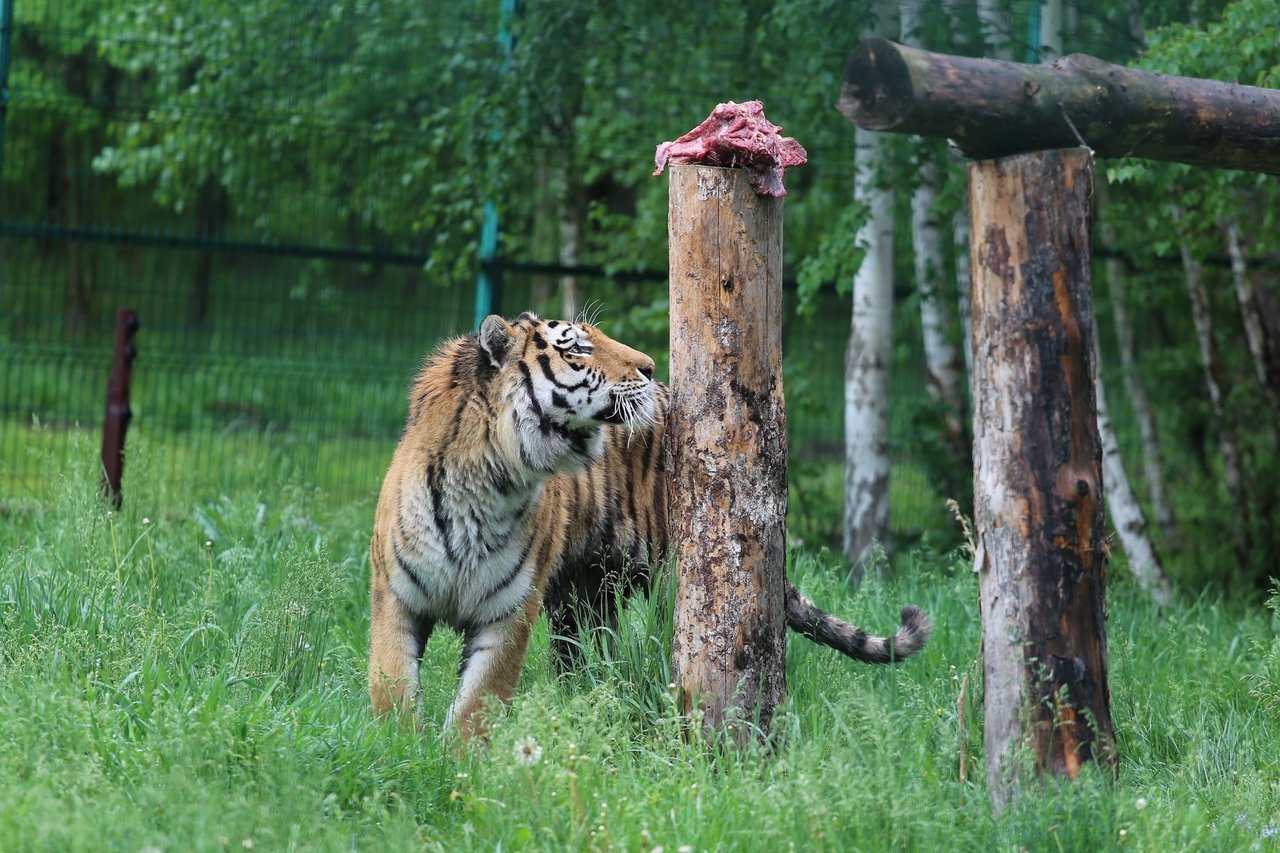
x: 531, y: 470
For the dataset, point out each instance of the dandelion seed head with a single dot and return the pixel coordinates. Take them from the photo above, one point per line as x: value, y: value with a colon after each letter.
x: 1140, y: 803
x: 528, y: 752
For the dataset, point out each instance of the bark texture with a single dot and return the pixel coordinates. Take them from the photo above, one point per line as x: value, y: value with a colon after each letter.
x: 868, y: 352
x: 1041, y: 553
x: 866, y: 365
x: 1152, y: 460
x: 1211, y: 368
x: 942, y: 370
x: 728, y: 447
x: 990, y: 108
x: 118, y: 414
x: 1262, y: 350
x: 1127, y: 517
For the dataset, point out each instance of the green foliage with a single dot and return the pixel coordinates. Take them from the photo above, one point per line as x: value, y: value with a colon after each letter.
x: 1241, y: 44
x: 1266, y: 681
x: 157, y: 691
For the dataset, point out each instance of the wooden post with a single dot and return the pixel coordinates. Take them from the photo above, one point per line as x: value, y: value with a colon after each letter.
x: 728, y: 447
x: 1037, y: 482
x: 118, y: 413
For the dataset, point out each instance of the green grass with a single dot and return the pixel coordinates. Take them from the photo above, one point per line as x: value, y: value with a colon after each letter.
x: 189, y: 674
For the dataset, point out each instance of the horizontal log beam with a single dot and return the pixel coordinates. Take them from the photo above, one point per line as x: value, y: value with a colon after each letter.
x: 990, y: 108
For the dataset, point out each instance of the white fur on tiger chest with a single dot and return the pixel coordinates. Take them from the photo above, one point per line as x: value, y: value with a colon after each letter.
x: 467, y: 549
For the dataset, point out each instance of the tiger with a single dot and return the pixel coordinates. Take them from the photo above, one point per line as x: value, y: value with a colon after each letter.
x: 530, y: 477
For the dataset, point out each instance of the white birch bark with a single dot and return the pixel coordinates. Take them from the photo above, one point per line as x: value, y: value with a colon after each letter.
x: 1127, y: 517
x: 866, y: 370
x: 1254, y: 332
x: 1051, y: 23
x: 942, y: 375
x: 866, y: 366
x: 1148, y: 435
x: 1231, y: 475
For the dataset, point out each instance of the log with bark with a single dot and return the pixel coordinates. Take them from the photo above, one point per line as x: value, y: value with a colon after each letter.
x: 991, y: 108
x: 1037, y: 482
x: 728, y: 447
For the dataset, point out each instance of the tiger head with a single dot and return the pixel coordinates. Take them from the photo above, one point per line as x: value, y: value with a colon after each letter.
x: 567, y: 377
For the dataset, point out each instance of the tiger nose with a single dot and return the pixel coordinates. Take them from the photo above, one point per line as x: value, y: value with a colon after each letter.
x: 646, y: 368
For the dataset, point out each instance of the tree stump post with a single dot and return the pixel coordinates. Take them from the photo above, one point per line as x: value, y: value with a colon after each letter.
x: 728, y: 448
x: 1037, y: 482
x: 115, y: 421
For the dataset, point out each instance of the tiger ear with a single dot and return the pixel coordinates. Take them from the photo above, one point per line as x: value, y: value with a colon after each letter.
x: 495, y: 338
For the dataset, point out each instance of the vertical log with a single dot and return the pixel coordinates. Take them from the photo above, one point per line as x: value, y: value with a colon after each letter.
x: 728, y: 447
x: 1038, y: 501
x: 118, y: 414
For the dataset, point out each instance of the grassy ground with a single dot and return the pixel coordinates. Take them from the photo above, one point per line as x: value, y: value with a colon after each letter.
x: 190, y: 676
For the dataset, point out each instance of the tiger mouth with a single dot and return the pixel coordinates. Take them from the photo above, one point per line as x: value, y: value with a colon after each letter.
x: 629, y: 410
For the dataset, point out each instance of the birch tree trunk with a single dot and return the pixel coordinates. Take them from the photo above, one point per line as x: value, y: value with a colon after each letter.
x: 1127, y: 517
x: 942, y: 375
x: 1051, y: 30
x: 1255, y: 333
x: 727, y: 440
x: 866, y: 366
x: 1037, y: 481
x: 1232, y: 477
x: 1152, y: 460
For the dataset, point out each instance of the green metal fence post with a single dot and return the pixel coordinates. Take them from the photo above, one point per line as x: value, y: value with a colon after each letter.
x: 488, y: 285
x: 6, y: 31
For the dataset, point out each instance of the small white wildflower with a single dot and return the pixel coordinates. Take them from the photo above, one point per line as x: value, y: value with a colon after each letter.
x: 528, y: 752
x: 1140, y: 803
x: 247, y: 844
x: 685, y: 848
x: 1268, y: 832
x: 146, y: 522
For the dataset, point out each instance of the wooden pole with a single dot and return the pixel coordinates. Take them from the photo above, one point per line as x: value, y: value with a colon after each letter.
x: 118, y: 414
x: 1037, y: 482
x: 727, y: 441
x: 990, y: 108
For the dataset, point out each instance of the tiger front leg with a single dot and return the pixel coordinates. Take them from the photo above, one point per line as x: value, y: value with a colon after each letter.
x: 492, y: 658
x: 396, y: 642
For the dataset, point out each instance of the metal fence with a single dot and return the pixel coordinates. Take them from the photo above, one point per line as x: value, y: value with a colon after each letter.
x: 268, y: 361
